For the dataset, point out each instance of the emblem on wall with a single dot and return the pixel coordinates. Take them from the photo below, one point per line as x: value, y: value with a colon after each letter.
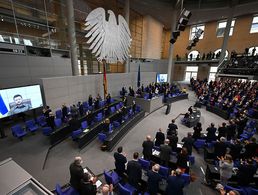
x: 109, y: 40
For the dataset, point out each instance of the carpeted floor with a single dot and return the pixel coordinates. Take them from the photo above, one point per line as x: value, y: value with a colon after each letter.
x: 30, y: 153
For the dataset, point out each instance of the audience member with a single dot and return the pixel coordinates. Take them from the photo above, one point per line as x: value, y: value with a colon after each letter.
x: 175, y: 183
x: 226, y: 166
x: 81, y: 110
x: 76, y: 173
x: 222, y: 130
x: 188, y: 143
x: 231, y: 130
x: 74, y: 111
x: 134, y: 171
x: 250, y: 148
x: 165, y: 150
x: 147, y: 148
x: 88, y: 185
x: 211, y: 135
x: 120, y: 161
x: 173, y: 139
x: 64, y: 112
x: 160, y: 138
x: 172, y: 128
x: 106, y: 125
x: 153, y: 180
x: 182, y: 159
x: 107, y: 189
x: 236, y: 149
x: 246, y: 172
x: 197, y: 131
x: 51, y: 120
x: 108, y: 98
x: 90, y: 100
x: 46, y: 111
x: 220, y: 148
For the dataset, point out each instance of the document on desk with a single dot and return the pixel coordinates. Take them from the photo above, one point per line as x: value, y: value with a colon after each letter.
x: 155, y: 153
x: 85, y: 130
x: 98, y: 183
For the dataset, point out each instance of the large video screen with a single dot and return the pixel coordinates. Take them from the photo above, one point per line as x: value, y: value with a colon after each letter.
x: 162, y: 78
x: 20, y: 99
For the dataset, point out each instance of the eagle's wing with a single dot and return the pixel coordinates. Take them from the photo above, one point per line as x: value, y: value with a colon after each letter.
x: 124, y: 37
x: 95, y: 25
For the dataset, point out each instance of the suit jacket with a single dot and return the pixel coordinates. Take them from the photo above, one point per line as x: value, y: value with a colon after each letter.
x: 134, y: 172
x: 222, y: 132
x: 87, y: 188
x: 175, y: 185
x: 188, y: 143
x: 245, y: 174
x: 147, y: 149
x: 76, y: 173
x: 173, y: 139
x: 153, y: 182
x: 165, y: 152
x: 172, y: 127
x: 120, y: 161
x: 211, y: 136
x: 220, y: 149
x: 160, y: 138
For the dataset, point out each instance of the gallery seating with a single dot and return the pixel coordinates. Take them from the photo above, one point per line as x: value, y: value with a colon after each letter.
x: 18, y: 131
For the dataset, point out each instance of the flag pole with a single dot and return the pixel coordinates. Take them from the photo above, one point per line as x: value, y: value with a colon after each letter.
x: 104, y: 78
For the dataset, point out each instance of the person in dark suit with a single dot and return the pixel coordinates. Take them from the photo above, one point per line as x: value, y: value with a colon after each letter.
x: 153, y: 180
x: 90, y: 100
x: 250, y: 148
x: 147, y: 148
x: 76, y: 173
x: 108, y: 98
x: 173, y: 139
x: 175, y: 183
x: 51, y: 120
x: 46, y: 111
x: 188, y: 143
x: 165, y: 150
x: 231, y: 130
x: 80, y: 107
x: 211, y: 136
x: 134, y: 171
x: 87, y: 185
x: 246, y: 173
x: 235, y: 149
x: 105, y: 125
x: 222, y: 131
x: 172, y: 128
x: 197, y: 131
x: 134, y: 106
x: 64, y: 112
x: 74, y: 124
x: 160, y: 138
x: 220, y: 147
x: 96, y: 103
x: 182, y: 159
x: 120, y: 160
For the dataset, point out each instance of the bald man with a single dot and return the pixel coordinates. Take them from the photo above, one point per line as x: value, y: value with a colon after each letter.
x: 153, y: 180
x: 107, y: 189
x: 76, y: 173
x: 147, y: 148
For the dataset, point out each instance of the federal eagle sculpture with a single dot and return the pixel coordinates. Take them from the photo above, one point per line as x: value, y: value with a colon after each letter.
x: 109, y: 40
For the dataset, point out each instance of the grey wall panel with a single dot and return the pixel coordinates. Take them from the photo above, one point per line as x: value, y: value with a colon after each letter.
x: 70, y: 90
x: 17, y: 70
x: 152, y: 66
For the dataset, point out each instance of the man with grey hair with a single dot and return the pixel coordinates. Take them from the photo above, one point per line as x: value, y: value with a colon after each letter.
x: 153, y: 180
x: 165, y: 150
x: 147, y: 148
x: 76, y: 173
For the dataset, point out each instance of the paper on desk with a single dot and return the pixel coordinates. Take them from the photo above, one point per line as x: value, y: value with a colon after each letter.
x: 85, y: 170
x: 98, y: 183
x: 156, y: 153
x: 85, y: 130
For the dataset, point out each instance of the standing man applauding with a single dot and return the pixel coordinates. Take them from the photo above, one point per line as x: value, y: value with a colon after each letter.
x: 76, y: 172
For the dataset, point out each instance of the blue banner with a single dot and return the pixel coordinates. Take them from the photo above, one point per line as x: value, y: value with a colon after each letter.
x: 3, y: 108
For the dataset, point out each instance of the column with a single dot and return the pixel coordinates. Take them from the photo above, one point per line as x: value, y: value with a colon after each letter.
x: 226, y: 36
x: 171, y: 63
x: 127, y: 19
x: 72, y: 37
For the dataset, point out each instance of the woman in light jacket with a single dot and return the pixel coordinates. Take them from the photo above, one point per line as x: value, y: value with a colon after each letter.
x: 226, y: 167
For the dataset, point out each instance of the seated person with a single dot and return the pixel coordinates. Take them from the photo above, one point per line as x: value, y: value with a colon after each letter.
x: 87, y: 185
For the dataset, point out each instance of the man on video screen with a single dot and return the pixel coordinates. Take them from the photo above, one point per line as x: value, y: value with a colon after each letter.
x: 20, y: 106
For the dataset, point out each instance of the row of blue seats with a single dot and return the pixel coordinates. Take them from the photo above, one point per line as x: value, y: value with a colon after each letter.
x: 102, y: 136
x: 242, y: 190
